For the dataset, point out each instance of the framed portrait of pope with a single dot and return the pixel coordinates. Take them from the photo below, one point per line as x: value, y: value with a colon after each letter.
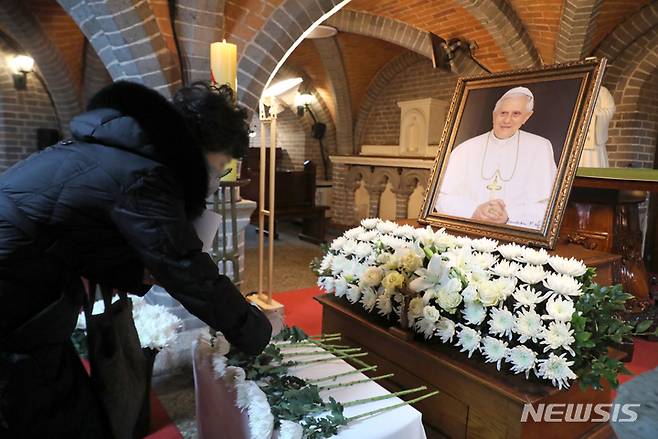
x: 509, y: 152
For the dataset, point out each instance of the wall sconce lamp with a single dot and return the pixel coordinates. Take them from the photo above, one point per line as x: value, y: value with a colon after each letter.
x: 303, y: 102
x: 444, y: 52
x: 21, y: 65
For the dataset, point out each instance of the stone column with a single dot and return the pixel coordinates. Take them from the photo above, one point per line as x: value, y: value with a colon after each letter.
x: 402, y: 195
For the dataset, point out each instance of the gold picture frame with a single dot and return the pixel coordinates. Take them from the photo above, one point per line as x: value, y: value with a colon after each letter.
x: 563, y: 96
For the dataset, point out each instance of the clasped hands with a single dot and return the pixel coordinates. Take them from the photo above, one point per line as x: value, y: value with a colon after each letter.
x: 492, y: 211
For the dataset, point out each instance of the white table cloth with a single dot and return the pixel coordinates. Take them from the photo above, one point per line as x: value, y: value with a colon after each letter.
x: 219, y: 418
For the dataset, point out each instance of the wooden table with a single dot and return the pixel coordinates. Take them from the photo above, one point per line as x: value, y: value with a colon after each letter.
x: 475, y: 400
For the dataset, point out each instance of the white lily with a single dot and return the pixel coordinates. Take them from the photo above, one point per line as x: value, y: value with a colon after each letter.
x: 433, y: 276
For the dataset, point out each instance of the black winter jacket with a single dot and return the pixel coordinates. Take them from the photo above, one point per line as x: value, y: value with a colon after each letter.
x: 114, y: 200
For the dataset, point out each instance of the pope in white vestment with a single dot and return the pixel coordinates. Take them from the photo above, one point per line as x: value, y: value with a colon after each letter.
x: 505, y: 175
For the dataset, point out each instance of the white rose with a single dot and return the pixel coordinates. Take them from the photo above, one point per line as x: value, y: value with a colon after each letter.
x: 416, y: 306
x: 372, y: 276
x: 430, y: 313
x: 449, y: 300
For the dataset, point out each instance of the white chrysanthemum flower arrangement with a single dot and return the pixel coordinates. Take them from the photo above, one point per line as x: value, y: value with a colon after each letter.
x: 156, y: 327
x: 512, y: 304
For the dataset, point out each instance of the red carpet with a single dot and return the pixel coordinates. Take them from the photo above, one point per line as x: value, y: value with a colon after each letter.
x: 301, y: 310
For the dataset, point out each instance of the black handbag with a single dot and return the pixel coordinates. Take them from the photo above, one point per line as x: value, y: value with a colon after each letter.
x: 119, y: 370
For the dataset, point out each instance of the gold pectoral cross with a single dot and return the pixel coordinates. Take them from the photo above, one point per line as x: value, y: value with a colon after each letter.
x: 494, y: 186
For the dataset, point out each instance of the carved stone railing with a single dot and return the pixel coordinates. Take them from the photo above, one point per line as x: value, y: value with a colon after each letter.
x: 391, y: 187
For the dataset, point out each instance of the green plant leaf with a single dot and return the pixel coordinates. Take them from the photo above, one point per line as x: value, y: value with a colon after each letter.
x: 643, y: 326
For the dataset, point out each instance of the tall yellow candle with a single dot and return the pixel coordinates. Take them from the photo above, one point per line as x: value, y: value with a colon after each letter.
x: 223, y: 64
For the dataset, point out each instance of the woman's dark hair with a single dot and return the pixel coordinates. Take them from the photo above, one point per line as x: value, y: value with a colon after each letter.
x: 213, y: 118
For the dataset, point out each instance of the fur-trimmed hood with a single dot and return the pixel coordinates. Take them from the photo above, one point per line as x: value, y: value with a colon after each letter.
x: 132, y: 117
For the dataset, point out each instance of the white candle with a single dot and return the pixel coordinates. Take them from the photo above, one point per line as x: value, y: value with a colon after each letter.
x: 223, y: 64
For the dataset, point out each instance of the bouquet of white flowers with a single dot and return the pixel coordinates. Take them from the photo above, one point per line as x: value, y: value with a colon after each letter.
x: 514, y: 305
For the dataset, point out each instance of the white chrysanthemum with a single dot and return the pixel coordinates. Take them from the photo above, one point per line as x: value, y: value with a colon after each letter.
x: 425, y: 326
x: 339, y: 264
x: 557, y: 369
x: 340, y: 287
x: 337, y: 244
x: 510, y: 251
x: 261, y: 420
x: 325, y: 264
x: 484, y: 245
x: 416, y: 306
x: 327, y: 283
x: 528, y: 326
x: 434, y: 275
x: 353, y: 293
x: 393, y: 242
x: 522, y: 358
x: 563, y: 284
x: 494, y: 350
x: 290, y: 430
x: 502, y: 322
x: 370, y: 223
x: 372, y: 277
x: 463, y: 241
x: 349, y: 247
x: 384, y: 304
x: 353, y: 271
x: 369, y: 299
x: 405, y: 231
x: 363, y: 250
x: 219, y: 365
x: 506, y: 268
x: 570, y: 267
x: 474, y: 313
x: 560, y: 310
x: 532, y: 274
x: 443, y: 240
x: 445, y: 328
x: 155, y: 325
x: 369, y: 236
x: 448, y: 300
x: 386, y: 227
x: 431, y: 313
x: 532, y: 256
x: 468, y: 339
x: 460, y: 259
x: 351, y: 234
x: 484, y: 260
x: 525, y: 295
x: 559, y: 335
x: 235, y: 378
x: 470, y: 293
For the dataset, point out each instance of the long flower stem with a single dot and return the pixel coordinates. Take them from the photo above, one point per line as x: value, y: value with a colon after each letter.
x: 392, y: 407
x: 336, y: 334
x: 334, y: 358
x: 313, y: 345
x: 379, y: 398
x: 337, y: 351
x: 353, y: 383
x: 338, y: 375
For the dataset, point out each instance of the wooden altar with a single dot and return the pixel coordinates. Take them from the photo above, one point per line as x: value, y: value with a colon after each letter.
x: 476, y: 401
x: 603, y: 215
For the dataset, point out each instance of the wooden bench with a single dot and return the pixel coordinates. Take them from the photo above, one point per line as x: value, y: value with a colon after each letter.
x: 294, y: 199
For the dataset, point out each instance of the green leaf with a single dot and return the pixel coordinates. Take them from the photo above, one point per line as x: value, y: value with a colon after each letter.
x: 643, y: 326
x: 582, y: 337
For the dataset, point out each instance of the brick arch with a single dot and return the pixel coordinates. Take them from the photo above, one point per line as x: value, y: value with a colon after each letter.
x: 387, y: 29
x: 377, y: 85
x: 26, y: 31
x: 268, y: 49
x: 382, y: 176
x: 502, y: 22
x: 627, y: 32
x: 411, y: 178
x: 633, y: 128
x: 129, y: 41
x: 577, y: 23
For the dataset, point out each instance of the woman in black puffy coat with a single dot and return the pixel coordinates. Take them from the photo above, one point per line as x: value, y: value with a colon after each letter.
x: 112, y: 203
